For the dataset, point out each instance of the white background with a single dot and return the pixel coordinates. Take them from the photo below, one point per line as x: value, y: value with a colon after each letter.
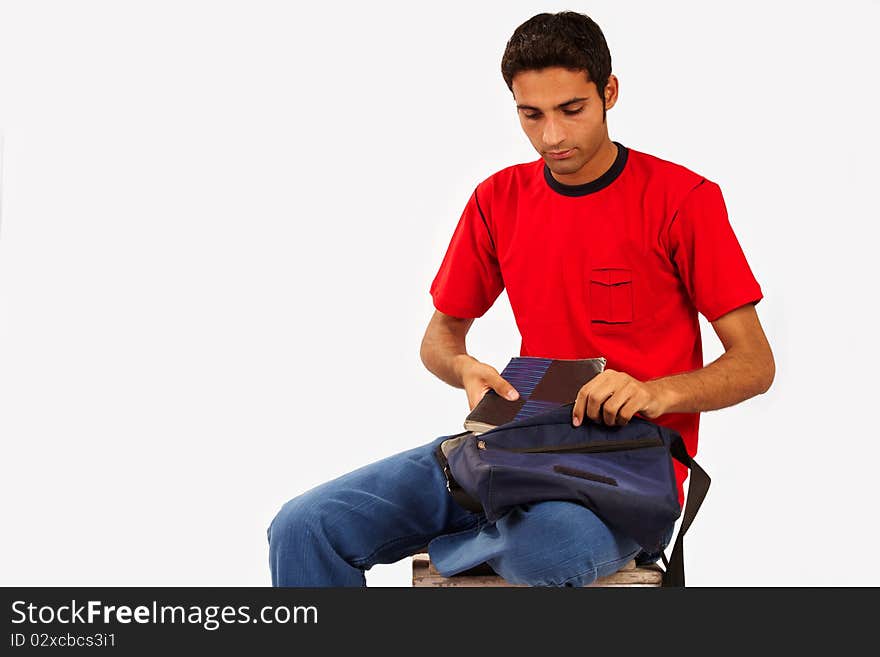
x: 220, y: 221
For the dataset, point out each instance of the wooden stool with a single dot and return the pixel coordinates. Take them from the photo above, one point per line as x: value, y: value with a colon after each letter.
x: 424, y: 574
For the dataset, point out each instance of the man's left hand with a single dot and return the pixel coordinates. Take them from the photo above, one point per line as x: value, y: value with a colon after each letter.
x: 614, y: 397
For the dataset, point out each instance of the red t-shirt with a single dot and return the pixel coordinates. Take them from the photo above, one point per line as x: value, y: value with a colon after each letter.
x: 616, y: 267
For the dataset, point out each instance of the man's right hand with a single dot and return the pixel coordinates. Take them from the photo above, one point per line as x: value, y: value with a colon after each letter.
x: 477, y: 378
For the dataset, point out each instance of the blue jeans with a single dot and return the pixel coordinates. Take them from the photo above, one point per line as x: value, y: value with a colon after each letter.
x: 397, y: 506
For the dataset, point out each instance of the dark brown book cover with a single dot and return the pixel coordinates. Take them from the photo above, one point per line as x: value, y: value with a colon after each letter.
x: 542, y: 383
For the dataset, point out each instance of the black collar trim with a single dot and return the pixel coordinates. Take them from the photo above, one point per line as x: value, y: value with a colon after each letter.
x: 594, y: 185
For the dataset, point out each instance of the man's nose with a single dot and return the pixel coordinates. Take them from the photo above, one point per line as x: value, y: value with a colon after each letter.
x: 553, y: 134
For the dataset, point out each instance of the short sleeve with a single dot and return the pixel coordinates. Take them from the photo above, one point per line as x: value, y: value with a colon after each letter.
x: 469, y: 279
x: 709, y: 259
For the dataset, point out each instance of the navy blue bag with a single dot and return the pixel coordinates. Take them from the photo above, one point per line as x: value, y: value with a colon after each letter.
x: 624, y: 474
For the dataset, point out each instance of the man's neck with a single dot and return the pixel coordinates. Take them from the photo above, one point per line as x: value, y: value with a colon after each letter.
x: 592, y: 168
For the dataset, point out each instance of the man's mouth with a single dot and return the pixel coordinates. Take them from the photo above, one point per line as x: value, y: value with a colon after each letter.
x: 559, y: 155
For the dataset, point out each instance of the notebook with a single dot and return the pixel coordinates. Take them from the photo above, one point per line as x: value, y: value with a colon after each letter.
x: 542, y: 383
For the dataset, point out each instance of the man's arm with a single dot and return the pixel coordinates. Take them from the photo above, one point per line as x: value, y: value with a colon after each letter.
x: 443, y: 347
x: 443, y: 352
x: 745, y: 369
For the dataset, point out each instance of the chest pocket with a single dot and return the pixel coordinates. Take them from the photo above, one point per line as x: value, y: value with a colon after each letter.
x: 611, y: 299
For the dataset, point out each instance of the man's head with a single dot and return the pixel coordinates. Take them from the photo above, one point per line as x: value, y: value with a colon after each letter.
x: 558, y: 68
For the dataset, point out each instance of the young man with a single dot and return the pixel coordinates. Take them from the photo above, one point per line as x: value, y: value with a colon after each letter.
x: 604, y: 251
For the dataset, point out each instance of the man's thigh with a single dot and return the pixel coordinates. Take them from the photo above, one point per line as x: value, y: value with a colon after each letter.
x: 379, y: 512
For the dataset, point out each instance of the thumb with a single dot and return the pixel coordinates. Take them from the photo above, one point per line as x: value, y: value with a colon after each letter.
x: 503, y: 388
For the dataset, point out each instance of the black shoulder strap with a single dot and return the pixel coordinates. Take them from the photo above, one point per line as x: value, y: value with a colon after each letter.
x: 697, y: 489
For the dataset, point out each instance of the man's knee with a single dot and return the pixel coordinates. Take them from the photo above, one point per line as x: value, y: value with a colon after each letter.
x: 558, y: 543
x: 296, y: 519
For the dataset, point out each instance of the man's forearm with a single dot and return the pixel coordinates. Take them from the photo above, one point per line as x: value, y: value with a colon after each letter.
x: 734, y: 377
x: 443, y: 353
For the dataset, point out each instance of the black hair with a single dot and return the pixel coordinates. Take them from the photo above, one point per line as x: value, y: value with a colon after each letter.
x: 567, y: 39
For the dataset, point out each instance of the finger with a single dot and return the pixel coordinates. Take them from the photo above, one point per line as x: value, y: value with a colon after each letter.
x: 503, y: 388
x: 626, y: 412
x: 596, y: 399
x: 475, y: 396
x: 472, y: 400
x: 612, y: 407
x: 577, y: 411
x: 582, y: 400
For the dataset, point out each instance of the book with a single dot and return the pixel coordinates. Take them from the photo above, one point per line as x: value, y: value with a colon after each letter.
x: 542, y: 383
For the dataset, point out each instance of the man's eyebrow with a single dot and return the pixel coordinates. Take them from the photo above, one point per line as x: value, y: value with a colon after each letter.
x: 559, y: 106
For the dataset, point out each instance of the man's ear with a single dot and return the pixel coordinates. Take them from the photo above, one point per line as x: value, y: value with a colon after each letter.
x: 612, y: 89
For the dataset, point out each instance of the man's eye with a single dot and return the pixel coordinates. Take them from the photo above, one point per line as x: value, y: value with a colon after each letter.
x: 532, y: 117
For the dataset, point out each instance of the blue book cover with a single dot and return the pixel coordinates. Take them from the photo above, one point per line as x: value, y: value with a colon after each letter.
x: 542, y: 383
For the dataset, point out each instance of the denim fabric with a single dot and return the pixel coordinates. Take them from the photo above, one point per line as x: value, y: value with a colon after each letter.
x: 390, y: 509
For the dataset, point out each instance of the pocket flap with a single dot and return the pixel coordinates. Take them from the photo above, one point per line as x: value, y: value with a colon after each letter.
x: 611, y: 276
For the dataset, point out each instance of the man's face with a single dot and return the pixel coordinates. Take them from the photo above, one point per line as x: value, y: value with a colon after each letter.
x: 559, y: 110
